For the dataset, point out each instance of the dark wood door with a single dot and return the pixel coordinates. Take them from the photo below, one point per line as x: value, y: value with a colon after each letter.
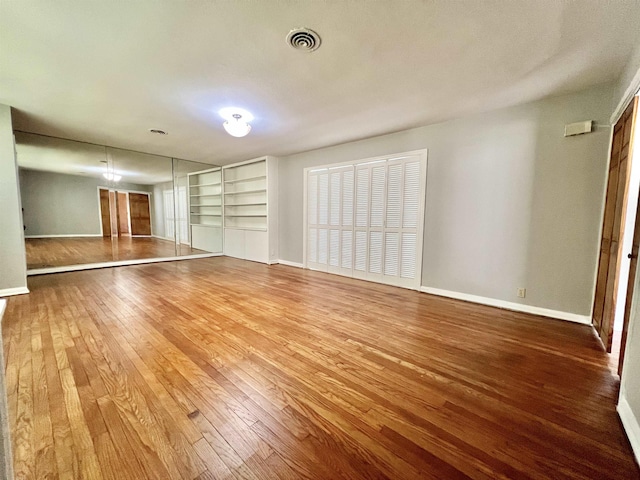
x: 140, y: 214
x: 105, y: 215
x: 123, y: 214
x: 604, y: 304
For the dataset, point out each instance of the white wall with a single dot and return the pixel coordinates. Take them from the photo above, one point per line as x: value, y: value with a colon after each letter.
x: 13, y: 261
x: 59, y: 204
x: 510, y: 202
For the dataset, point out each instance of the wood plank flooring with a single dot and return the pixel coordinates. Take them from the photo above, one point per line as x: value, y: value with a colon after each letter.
x: 61, y: 252
x: 226, y: 369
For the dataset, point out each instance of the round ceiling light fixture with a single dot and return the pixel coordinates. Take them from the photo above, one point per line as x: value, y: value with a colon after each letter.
x: 236, y: 127
x: 304, y: 39
x: 236, y: 121
x: 157, y: 131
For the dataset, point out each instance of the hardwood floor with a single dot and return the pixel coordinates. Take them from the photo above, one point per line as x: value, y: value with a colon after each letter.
x: 222, y: 368
x: 59, y: 252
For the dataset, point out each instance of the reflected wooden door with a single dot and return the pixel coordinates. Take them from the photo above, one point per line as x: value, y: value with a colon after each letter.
x: 105, y: 216
x: 140, y: 214
x: 123, y: 214
x: 113, y: 213
x: 604, y: 305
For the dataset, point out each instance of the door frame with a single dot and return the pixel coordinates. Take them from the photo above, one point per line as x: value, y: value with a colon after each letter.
x: 423, y: 154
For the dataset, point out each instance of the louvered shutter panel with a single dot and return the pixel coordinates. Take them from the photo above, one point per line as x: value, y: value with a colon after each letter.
x: 312, y: 200
x: 378, y: 174
x: 347, y: 198
x: 334, y: 248
x: 312, y: 249
x: 360, y: 251
x: 362, y: 197
x: 410, y: 208
x: 334, y: 212
x: 347, y: 249
x: 375, y: 252
x: 394, y: 196
x: 408, y: 265
x: 411, y: 203
x: 323, y: 198
x: 322, y: 246
x: 391, y: 253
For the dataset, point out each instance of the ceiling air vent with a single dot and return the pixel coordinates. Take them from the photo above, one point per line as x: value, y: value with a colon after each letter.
x: 303, y: 39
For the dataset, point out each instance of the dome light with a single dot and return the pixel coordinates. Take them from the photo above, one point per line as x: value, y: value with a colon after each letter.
x: 236, y: 126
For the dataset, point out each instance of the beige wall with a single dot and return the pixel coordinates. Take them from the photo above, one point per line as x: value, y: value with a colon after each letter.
x: 510, y: 202
x: 13, y: 263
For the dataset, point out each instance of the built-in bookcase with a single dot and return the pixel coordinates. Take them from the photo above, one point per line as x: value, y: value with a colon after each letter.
x: 205, y: 209
x: 245, y: 196
x: 250, y: 210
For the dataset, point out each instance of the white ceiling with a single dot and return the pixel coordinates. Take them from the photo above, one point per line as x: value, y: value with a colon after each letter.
x: 106, y: 72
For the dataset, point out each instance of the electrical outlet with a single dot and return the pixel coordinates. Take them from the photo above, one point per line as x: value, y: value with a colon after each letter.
x: 522, y: 292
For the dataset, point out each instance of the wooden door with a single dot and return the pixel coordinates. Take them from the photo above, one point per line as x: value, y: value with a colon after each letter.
x: 604, y: 305
x: 633, y: 255
x: 105, y: 216
x: 123, y: 214
x: 140, y: 214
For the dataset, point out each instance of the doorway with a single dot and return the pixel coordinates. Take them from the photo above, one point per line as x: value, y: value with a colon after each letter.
x: 124, y: 213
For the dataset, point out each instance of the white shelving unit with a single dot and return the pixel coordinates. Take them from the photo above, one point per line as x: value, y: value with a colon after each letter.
x: 205, y: 209
x: 250, y: 210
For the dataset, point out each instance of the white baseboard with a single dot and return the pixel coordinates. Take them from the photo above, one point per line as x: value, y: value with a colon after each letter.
x: 120, y: 263
x: 13, y: 291
x: 70, y: 235
x: 290, y: 264
x: 518, y: 307
x: 631, y: 425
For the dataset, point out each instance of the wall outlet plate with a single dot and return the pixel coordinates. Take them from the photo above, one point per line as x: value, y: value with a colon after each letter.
x: 522, y: 292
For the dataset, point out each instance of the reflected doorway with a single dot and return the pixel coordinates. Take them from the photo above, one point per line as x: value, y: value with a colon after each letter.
x: 125, y: 213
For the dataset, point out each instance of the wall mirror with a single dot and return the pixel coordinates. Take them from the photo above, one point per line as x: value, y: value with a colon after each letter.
x: 86, y: 204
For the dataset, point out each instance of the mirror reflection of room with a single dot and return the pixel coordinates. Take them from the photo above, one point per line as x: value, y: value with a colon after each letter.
x: 91, y: 204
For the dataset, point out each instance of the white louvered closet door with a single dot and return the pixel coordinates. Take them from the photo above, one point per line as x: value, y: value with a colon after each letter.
x: 401, y: 237
x: 365, y: 220
x: 330, y: 220
x: 318, y: 220
x: 341, y: 220
x: 370, y: 214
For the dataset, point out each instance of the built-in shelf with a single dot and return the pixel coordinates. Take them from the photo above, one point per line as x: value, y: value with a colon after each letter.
x: 205, y: 184
x: 253, y: 229
x: 260, y: 190
x: 248, y: 179
x: 244, y: 204
x: 205, y: 197
x: 250, y: 209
